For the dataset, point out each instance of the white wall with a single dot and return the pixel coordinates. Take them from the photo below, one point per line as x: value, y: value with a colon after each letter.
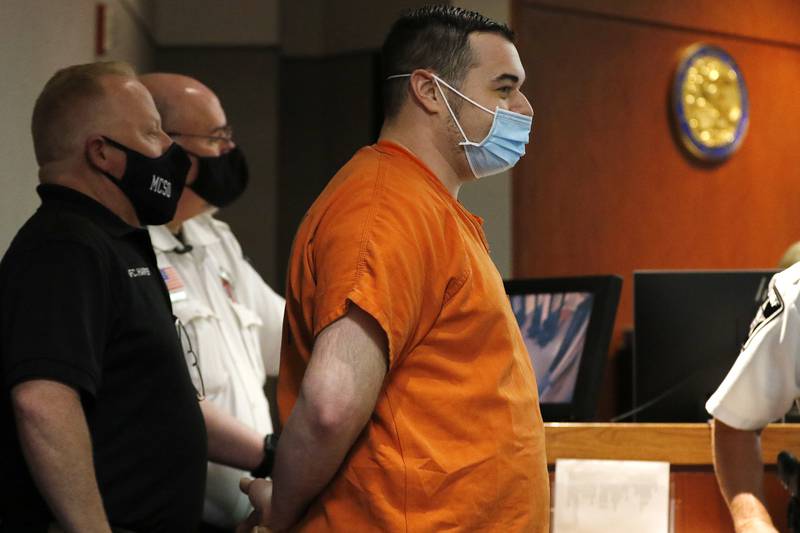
x: 40, y: 37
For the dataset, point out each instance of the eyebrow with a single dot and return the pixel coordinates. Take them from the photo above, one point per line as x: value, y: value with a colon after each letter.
x: 220, y: 128
x: 507, y: 77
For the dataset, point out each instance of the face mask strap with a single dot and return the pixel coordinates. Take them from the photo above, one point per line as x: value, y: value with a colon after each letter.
x: 462, y: 95
x: 466, y: 140
x: 439, y: 81
x: 115, y: 144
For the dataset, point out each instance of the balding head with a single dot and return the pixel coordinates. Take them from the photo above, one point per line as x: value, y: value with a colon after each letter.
x: 193, y: 116
x: 185, y: 104
x: 71, y: 106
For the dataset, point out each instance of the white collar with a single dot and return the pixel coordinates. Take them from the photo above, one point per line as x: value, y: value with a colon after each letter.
x: 197, y: 231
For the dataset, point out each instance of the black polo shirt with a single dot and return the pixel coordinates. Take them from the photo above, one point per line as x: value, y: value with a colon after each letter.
x: 82, y: 302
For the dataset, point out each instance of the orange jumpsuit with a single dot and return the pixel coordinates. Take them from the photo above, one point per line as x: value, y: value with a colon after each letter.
x: 456, y: 441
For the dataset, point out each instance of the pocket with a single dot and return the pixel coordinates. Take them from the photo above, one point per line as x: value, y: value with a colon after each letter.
x: 206, y: 341
x: 247, y: 318
x: 250, y: 325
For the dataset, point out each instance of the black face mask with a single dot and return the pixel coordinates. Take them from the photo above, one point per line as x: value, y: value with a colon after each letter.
x: 153, y: 184
x: 221, y: 180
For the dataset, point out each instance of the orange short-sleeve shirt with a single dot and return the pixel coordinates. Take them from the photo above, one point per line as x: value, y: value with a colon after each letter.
x: 456, y: 441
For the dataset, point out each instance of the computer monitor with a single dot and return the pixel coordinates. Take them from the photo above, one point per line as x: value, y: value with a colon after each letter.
x: 566, y: 324
x: 689, y: 327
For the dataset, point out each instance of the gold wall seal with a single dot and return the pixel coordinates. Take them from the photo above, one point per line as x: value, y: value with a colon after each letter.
x: 710, y: 103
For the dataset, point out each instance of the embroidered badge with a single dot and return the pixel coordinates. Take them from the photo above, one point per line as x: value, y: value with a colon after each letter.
x: 138, y: 272
x: 174, y: 283
x: 771, y: 308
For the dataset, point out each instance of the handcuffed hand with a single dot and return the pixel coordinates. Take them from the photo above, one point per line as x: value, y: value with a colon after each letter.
x: 260, y: 493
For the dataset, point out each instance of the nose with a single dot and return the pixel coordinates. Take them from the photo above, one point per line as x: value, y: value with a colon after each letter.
x: 227, y: 145
x: 522, y: 105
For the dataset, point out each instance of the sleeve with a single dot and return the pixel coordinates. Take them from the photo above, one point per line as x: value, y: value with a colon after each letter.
x: 55, y: 317
x: 371, y: 251
x: 762, y: 383
x: 270, y: 308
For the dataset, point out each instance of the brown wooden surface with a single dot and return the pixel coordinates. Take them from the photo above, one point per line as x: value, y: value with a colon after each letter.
x: 605, y: 187
x: 679, y: 444
x: 698, y: 504
x: 770, y: 20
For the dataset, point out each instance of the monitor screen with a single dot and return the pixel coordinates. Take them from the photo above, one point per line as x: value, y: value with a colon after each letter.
x: 566, y: 324
x: 689, y: 327
x: 554, y: 327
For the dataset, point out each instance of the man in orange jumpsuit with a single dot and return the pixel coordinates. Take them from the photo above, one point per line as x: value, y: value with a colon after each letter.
x: 407, y: 394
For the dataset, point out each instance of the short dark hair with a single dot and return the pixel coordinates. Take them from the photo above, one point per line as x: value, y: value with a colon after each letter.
x: 431, y: 37
x: 59, y: 112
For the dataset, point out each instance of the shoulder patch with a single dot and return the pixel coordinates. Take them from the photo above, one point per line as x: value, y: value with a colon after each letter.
x: 771, y: 308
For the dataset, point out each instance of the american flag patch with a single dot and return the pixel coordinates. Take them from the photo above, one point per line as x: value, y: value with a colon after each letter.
x: 174, y: 283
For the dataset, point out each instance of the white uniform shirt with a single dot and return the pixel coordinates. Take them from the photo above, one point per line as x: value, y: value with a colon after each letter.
x: 765, y: 378
x: 234, y: 322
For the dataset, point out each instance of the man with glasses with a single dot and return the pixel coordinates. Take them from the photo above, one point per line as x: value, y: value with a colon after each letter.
x: 231, y: 318
x: 101, y: 425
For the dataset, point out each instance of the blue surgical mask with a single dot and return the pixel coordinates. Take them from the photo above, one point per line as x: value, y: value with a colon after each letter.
x: 502, y: 147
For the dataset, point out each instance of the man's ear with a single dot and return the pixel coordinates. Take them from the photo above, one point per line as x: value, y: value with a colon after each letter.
x: 424, y: 91
x: 98, y: 153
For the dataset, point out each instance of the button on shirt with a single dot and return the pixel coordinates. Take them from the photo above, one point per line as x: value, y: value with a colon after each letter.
x: 233, y: 320
x: 81, y: 303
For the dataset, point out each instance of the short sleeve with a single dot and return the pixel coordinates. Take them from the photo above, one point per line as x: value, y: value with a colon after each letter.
x: 762, y: 383
x: 55, y: 316
x: 370, y: 252
x: 270, y: 308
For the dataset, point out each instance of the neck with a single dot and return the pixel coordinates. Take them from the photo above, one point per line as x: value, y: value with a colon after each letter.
x: 175, y: 226
x: 429, y: 148
x: 97, y: 187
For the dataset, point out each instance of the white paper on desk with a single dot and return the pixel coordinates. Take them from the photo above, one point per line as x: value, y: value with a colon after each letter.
x: 593, y: 496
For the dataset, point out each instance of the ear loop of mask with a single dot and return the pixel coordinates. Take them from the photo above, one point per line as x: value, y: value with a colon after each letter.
x: 439, y: 81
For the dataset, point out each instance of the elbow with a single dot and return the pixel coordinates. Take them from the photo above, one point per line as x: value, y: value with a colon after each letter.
x: 332, y: 416
x: 42, y: 401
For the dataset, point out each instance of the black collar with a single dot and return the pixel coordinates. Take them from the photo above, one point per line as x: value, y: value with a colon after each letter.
x: 66, y: 198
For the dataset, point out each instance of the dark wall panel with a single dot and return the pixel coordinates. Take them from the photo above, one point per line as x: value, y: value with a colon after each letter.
x: 327, y: 112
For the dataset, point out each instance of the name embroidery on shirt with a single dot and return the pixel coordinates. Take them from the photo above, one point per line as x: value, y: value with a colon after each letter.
x: 138, y: 272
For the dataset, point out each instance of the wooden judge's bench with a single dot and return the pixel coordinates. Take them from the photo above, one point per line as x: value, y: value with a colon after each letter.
x: 698, y: 504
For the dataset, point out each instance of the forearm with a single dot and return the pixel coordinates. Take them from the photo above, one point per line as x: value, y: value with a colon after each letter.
x: 740, y: 473
x: 307, y: 458
x: 55, y: 441
x: 337, y: 397
x: 230, y: 442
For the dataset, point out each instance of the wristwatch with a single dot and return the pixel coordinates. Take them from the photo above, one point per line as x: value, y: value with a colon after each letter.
x: 265, y: 468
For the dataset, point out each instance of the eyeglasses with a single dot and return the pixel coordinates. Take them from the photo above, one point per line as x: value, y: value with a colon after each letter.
x: 225, y: 135
x: 191, y: 359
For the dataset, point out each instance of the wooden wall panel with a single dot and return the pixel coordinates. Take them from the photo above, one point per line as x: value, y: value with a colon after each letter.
x: 769, y: 20
x: 605, y: 187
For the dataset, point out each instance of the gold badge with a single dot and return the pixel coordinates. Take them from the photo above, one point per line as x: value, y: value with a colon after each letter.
x: 710, y: 104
